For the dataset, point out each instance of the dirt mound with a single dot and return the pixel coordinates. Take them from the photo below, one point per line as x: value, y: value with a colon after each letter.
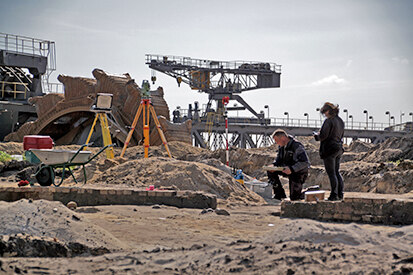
x: 386, y: 167
x: 12, y: 148
x: 358, y: 146
x: 179, y: 150
x: 352, y: 234
x: 22, y: 245
x: 53, y: 220
x: 392, y: 149
x: 360, y: 176
x: 176, y: 174
x: 296, y: 247
x: 250, y: 161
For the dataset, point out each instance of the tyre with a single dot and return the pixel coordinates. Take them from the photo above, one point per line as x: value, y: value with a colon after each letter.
x: 45, y: 176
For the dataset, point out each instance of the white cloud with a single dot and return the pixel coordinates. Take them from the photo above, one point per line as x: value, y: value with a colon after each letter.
x: 403, y: 61
x: 329, y: 80
x: 349, y: 62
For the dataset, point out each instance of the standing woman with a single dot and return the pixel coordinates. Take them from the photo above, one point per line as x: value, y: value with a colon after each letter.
x: 331, y: 148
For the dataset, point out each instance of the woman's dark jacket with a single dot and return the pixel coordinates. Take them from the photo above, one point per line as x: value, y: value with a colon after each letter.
x: 331, y: 136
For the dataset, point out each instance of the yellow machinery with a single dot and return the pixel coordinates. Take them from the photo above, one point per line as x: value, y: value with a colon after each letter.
x: 147, y: 108
x: 103, y: 106
x: 200, y: 80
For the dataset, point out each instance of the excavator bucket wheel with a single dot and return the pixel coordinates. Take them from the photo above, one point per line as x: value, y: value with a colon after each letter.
x: 45, y: 175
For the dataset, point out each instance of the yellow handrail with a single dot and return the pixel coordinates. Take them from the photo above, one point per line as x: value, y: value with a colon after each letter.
x: 14, y: 91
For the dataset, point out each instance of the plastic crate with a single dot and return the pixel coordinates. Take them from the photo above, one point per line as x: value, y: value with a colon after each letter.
x: 37, y: 142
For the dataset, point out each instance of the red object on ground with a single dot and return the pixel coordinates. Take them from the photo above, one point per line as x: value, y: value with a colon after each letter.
x: 23, y: 183
x: 37, y: 142
x: 151, y: 188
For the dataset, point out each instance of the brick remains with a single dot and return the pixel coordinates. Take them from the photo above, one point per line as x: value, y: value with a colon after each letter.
x: 106, y: 196
x: 365, y: 210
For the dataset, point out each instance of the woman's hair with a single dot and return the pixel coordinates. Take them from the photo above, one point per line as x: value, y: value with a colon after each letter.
x: 328, y: 106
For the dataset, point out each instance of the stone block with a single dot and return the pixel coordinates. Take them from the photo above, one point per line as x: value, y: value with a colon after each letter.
x: 64, y: 190
x: 327, y: 216
x: 169, y: 193
x: 378, y: 219
x: 182, y: 193
x: 103, y: 192
x: 36, y: 189
x: 342, y: 217
x: 151, y: 193
x: 46, y: 196
x: 367, y: 218
x: 359, y: 200
x: 160, y: 194
x: 346, y: 208
x: 378, y: 210
x: 112, y: 192
x: 355, y: 218
x: 127, y: 192
x: 380, y: 201
x: 142, y: 193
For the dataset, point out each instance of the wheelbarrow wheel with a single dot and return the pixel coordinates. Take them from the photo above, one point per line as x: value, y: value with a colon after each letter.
x: 45, y: 176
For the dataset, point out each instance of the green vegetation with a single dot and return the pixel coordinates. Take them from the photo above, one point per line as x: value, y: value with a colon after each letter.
x: 4, y: 157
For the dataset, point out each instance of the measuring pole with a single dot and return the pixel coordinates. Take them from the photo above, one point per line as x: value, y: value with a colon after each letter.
x: 225, y: 101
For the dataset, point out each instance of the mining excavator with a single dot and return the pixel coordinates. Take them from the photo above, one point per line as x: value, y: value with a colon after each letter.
x: 25, y: 66
x: 30, y: 105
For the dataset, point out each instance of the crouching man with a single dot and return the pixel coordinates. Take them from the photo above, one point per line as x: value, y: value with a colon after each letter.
x: 293, y: 158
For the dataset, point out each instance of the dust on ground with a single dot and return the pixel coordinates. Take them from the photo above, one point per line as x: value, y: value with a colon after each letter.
x: 386, y: 167
x: 52, y: 219
x: 168, y: 240
x: 252, y: 240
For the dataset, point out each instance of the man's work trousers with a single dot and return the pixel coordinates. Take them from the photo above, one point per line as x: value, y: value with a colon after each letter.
x: 296, y: 181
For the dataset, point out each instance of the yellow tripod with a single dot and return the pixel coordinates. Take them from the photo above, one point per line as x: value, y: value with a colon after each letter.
x: 147, y: 108
x: 107, y: 140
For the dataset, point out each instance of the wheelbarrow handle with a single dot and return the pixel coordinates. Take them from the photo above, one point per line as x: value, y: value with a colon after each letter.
x: 80, y: 149
x: 100, y: 151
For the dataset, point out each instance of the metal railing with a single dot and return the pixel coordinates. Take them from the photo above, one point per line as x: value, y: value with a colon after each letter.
x: 298, y: 122
x: 211, y: 64
x: 15, y: 91
x: 33, y: 47
x: 55, y: 88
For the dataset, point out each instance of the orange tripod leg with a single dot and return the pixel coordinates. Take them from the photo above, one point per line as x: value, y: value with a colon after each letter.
x: 135, y: 121
x: 146, y: 127
x: 158, y: 126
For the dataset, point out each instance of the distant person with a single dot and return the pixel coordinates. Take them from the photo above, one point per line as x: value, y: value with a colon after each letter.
x: 176, y: 116
x: 331, y: 148
x: 292, y: 156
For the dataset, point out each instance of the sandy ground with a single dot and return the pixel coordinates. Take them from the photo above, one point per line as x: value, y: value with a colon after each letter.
x: 251, y: 240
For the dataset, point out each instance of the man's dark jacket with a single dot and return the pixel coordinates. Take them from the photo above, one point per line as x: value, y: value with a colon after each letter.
x: 294, y: 156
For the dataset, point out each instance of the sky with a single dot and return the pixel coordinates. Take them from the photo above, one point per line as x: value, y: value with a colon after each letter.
x: 358, y: 54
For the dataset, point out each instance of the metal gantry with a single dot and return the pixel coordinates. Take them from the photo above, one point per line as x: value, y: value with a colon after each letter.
x: 219, y: 79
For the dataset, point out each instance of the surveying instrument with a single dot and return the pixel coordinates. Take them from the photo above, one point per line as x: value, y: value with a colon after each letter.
x: 101, y: 108
x: 147, y: 108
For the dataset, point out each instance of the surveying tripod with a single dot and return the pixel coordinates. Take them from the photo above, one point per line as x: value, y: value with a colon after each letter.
x: 107, y: 140
x: 147, y: 108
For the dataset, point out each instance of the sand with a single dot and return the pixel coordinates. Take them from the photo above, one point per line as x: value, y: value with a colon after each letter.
x: 167, y: 240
